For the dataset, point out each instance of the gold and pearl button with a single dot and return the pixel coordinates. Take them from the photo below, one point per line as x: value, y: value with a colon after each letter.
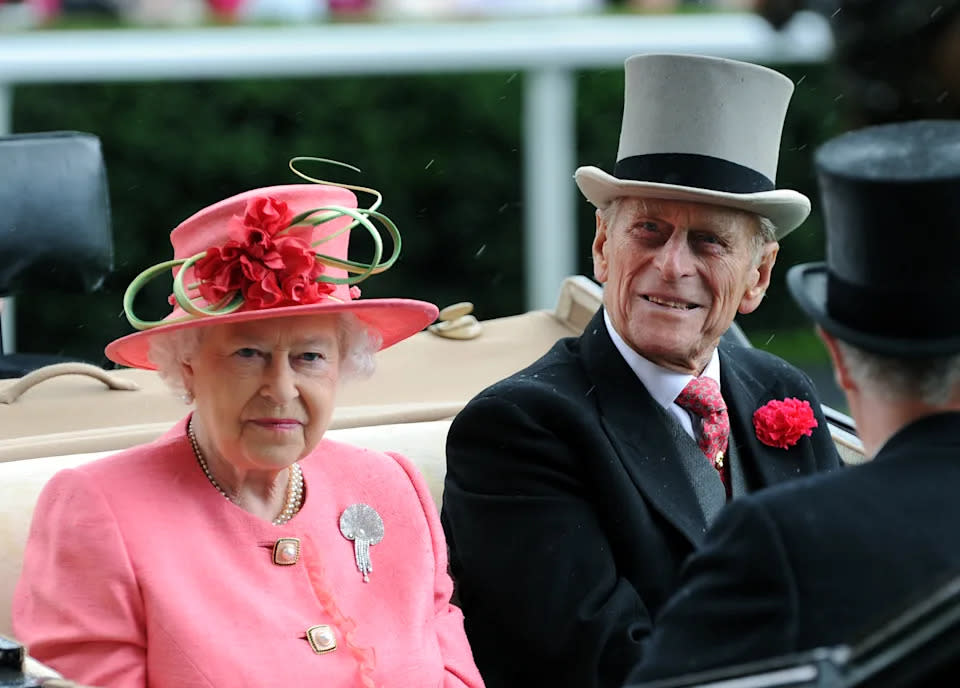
x: 322, y: 639
x: 286, y: 551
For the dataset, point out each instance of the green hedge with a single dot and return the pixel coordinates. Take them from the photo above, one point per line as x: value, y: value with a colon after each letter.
x: 445, y: 151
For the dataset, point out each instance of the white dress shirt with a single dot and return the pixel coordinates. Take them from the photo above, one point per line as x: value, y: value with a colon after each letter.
x: 663, y: 384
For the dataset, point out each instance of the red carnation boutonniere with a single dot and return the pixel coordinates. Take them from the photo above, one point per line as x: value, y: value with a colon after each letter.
x: 782, y: 423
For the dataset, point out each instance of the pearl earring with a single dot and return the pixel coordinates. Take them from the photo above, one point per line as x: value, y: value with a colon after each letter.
x: 187, y: 398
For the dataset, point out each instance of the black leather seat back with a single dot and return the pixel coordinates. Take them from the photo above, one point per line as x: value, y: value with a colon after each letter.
x: 54, y: 212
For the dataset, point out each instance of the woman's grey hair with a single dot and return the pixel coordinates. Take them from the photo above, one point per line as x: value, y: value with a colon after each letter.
x: 766, y: 231
x: 930, y: 380
x: 358, y: 344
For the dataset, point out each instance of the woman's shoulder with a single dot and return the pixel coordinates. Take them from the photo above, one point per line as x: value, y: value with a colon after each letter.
x: 355, y: 460
x: 358, y: 467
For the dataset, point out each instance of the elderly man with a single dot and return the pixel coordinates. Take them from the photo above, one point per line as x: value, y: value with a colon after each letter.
x: 820, y: 561
x: 576, y: 487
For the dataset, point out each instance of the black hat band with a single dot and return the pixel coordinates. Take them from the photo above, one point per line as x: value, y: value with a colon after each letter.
x: 897, y: 314
x: 693, y: 170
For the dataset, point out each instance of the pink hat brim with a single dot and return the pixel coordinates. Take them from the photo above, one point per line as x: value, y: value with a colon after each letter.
x: 393, y: 319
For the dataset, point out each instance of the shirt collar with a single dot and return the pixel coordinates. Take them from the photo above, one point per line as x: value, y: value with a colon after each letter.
x: 663, y: 384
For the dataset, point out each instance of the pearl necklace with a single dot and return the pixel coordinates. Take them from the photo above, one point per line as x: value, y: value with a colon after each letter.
x: 291, y: 504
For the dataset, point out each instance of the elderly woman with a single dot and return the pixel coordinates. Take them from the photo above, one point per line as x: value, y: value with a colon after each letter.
x: 243, y: 549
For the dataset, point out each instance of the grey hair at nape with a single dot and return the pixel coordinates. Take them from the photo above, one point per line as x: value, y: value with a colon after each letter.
x: 358, y: 344
x: 932, y: 380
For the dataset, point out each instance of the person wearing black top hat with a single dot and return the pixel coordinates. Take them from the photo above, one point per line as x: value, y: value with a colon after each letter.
x: 575, y: 488
x: 820, y: 561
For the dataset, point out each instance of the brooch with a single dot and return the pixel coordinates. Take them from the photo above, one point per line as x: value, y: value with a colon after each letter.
x: 362, y: 524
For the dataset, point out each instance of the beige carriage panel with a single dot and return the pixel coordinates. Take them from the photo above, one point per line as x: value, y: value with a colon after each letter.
x: 425, y: 371
x: 122, y: 437
x: 426, y: 377
x: 848, y: 446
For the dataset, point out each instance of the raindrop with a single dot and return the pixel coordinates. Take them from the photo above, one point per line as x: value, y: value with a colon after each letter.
x: 770, y: 339
x: 483, y: 247
x: 936, y: 11
x: 511, y: 77
x: 801, y: 79
x: 428, y: 165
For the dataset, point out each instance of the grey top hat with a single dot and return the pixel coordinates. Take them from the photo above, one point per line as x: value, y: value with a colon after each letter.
x: 702, y: 129
x: 891, y: 199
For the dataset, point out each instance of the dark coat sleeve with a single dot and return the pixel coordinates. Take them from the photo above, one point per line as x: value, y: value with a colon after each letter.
x: 737, y: 600
x: 543, y: 602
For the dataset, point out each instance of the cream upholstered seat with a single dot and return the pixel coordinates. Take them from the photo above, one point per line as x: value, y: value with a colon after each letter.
x: 22, y: 481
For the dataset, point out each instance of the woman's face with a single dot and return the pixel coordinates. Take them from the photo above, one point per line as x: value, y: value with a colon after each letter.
x: 265, y: 389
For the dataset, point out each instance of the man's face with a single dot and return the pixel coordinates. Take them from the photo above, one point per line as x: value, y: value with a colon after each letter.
x: 676, y: 273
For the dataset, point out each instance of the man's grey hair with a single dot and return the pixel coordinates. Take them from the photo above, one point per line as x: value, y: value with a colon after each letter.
x: 766, y: 231
x: 931, y: 380
x: 766, y: 234
x: 358, y: 344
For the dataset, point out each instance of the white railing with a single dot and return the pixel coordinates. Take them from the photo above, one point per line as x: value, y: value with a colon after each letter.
x: 546, y: 50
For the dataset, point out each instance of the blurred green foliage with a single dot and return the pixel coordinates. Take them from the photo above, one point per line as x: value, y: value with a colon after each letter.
x: 444, y: 150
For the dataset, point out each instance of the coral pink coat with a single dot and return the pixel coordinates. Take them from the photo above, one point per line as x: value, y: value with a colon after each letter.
x: 138, y: 573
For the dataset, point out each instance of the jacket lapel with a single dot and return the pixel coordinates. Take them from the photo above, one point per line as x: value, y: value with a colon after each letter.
x: 744, y: 393
x: 639, y: 430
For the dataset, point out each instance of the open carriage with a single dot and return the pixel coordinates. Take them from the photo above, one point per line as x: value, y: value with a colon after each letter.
x: 67, y: 414
x: 63, y: 415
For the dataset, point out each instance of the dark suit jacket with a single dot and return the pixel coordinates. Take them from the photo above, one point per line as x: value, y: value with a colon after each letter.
x: 569, y: 505
x: 818, y: 561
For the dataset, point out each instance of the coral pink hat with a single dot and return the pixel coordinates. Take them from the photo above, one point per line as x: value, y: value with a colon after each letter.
x: 268, y: 253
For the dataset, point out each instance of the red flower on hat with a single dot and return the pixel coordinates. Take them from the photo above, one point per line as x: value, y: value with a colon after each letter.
x: 268, y: 268
x: 782, y: 423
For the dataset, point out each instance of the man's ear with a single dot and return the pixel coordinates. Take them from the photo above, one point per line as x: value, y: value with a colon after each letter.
x: 600, y: 266
x: 759, y: 279
x: 841, y: 371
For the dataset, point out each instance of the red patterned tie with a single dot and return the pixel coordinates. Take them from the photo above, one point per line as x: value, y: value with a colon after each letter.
x: 702, y: 398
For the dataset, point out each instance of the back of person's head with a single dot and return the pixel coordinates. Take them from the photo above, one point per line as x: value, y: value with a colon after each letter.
x: 888, y: 290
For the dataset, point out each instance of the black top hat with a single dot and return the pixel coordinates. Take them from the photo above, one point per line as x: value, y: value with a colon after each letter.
x: 891, y: 200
